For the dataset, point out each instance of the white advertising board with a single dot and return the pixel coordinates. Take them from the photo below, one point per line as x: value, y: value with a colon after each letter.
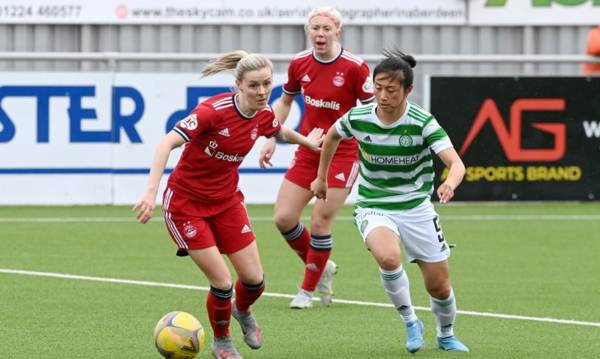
x: 89, y: 138
x: 534, y: 12
x: 397, y: 12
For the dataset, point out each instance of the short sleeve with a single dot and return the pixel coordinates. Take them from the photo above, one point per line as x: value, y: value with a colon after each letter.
x: 435, y: 137
x: 292, y: 86
x: 342, y: 126
x: 271, y: 125
x: 364, y: 84
x: 198, y: 122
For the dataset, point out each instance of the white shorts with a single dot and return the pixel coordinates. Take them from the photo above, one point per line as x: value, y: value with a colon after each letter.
x: 419, y: 230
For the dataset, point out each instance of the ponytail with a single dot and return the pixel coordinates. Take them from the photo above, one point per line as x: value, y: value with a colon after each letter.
x: 240, y: 61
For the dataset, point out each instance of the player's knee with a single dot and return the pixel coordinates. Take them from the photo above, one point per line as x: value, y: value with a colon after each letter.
x: 439, y: 289
x: 319, y: 228
x: 320, y: 224
x: 251, y: 278
x: 223, y: 284
x: 389, y: 261
x: 284, y: 221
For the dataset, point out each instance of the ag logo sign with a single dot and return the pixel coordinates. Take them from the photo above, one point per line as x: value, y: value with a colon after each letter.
x: 510, y: 137
x: 521, y: 138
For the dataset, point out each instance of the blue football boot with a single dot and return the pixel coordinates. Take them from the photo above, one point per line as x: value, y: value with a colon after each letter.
x: 414, y: 336
x: 451, y: 344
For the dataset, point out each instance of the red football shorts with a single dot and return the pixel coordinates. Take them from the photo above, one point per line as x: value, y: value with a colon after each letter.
x: 195, y: 224
x: 303, y: 170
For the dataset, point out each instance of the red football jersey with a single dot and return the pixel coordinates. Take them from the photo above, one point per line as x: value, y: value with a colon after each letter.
x: 329, y: 90
x: 218, y: 138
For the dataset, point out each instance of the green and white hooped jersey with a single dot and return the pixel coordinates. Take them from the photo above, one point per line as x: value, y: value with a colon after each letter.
x: 396, y: 164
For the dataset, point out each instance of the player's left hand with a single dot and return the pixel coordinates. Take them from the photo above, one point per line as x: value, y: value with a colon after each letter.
x: 445, y: 192
x: 315, y: 138
x: 145, y: 207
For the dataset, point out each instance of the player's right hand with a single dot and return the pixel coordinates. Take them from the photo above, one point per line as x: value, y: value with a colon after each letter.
x: 266, y: 153
x: 145, y: 207
x: 318, y: 187
x: 316, y: 137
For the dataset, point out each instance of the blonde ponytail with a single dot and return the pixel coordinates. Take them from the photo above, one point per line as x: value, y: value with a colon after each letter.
x: 239, y: 60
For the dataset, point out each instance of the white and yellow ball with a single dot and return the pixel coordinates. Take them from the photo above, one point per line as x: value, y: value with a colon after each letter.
x: 179, y: 335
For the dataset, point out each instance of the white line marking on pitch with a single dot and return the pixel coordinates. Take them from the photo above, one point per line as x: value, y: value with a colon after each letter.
x: 289, y: 296
x: 509, y: 217
x: 64, y: 219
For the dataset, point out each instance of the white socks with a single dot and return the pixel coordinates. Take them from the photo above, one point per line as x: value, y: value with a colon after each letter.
x: 445, y: 312
x: 395, y: 283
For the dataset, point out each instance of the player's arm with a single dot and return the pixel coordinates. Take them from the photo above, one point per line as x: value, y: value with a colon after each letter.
x: 283, y: 107
x: 456, y: 172
x: 145, y: 206
x: 312, y: 141
x: 282, y: 110
x: 330, y: 144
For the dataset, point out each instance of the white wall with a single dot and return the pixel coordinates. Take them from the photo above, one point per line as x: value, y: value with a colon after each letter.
x: 60, y: 166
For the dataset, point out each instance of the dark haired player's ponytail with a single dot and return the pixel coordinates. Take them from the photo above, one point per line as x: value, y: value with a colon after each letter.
x: 398, y: 65
x: 390, y: 54
x: 410, y: 60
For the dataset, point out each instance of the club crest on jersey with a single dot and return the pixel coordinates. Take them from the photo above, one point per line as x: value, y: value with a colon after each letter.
x: 190, y: 122
x: 338, y: 79
x: 189, y: 230
x: 211, y: 148
x: 405, y: 141
x: 275, y: 122
x: 254, y: 133
x: 368, y: 85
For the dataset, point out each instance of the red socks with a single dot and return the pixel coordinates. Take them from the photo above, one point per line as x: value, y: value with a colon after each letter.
x: 298, y: 238
x: 218, y: 305
x: 314, y: 251
x: 318, y: 254
x: 247, y: 294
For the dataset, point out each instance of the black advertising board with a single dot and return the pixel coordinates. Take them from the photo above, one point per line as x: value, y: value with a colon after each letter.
x: 522, y: 138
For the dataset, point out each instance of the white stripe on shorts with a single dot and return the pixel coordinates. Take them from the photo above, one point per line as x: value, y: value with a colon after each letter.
x: 353, y: 175
x: 175, y: 233
x: 168, y: 199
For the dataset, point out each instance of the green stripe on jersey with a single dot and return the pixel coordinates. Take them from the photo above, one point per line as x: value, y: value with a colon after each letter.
x: 436, y: 136
x: 372, y: 128
x: 417, y: 116
x: 378, y: 194
x: 428, y: 121
x: 368, y: 108
x: 345, y: 129
x: 419, y: 110
x: 380, y: 150
x: 392, y: 206
x: 360, y: 112
x: 386, y: 183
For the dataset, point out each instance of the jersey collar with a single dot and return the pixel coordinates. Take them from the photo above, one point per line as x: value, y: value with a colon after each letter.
x: 398, y: 120
x: 314, y: 56
x: 237, y: 109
